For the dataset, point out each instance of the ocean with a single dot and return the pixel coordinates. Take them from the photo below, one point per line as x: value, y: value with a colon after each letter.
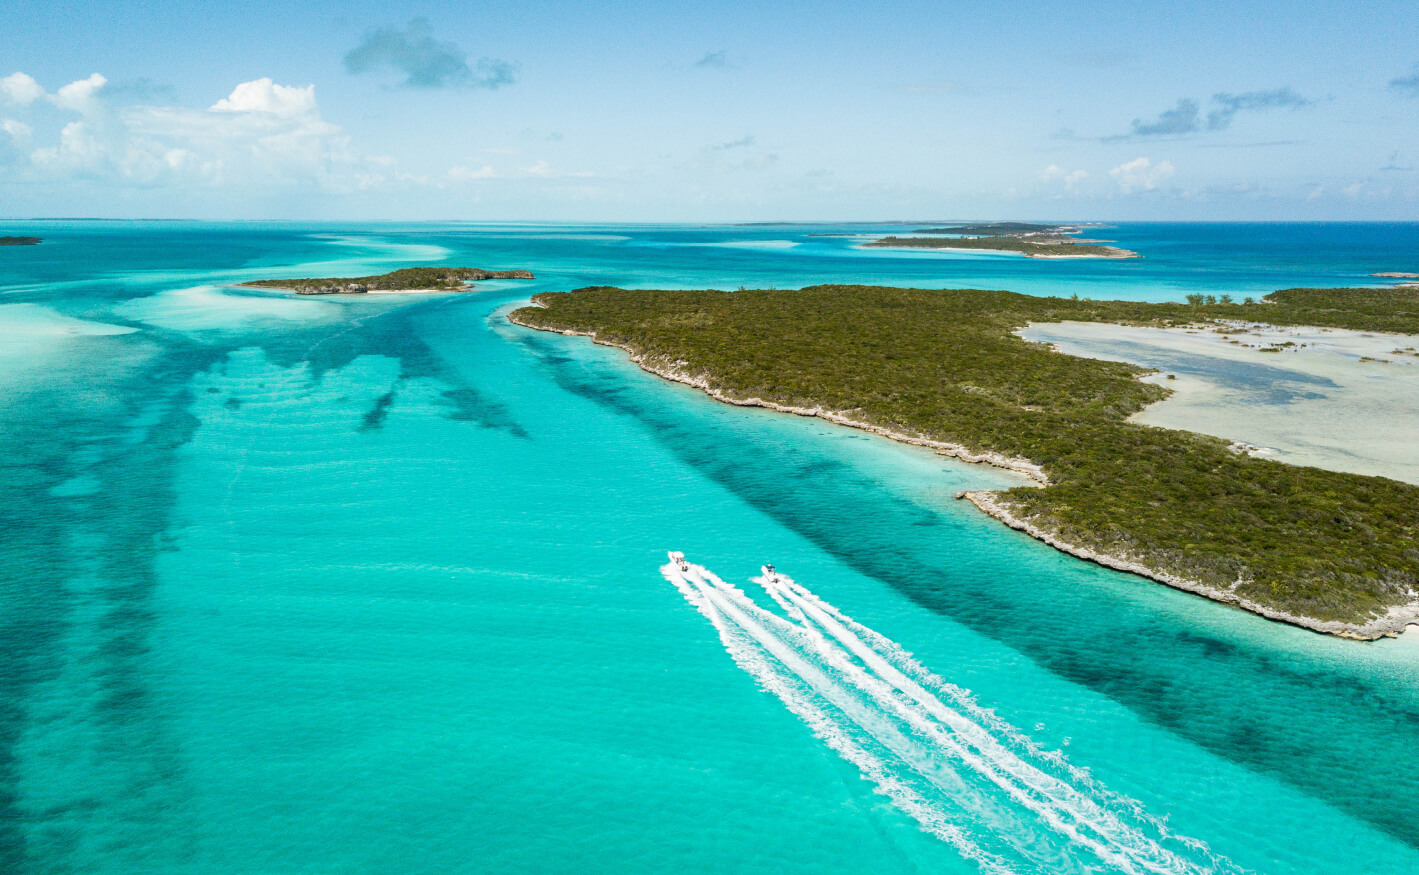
x: 379, y: 584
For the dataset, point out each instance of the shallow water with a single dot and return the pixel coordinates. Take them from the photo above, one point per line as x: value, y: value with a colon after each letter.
x: 377, y: 588
x: 1342, y: 400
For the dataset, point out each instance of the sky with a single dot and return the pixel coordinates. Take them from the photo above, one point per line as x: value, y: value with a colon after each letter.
x: 729, y: 111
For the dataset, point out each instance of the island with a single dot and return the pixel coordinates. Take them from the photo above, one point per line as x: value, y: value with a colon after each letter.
x: 1330, y: 551
x: 996, y: 229
x: 20, y: 241
x: 1030, y: 247
x: 409, y: 279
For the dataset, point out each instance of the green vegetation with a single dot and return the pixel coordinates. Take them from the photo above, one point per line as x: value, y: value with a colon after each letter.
x: 990, y: 229
x: 1037, y: 247
x: 451, y: 279
x: 947, y: 365
x: 20, y: 241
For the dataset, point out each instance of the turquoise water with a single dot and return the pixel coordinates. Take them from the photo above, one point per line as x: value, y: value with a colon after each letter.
x: 375, y: 585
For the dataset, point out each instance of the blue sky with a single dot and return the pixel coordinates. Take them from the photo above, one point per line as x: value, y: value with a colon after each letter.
x: 710, y: 112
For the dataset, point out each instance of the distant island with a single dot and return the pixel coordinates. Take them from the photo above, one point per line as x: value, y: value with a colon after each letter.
x: 20, y: 241
x: 1029, y: 246
x: 992, y: 229
x: 1330, y: 551
x: 1408, y: 279
x: 409, y: 279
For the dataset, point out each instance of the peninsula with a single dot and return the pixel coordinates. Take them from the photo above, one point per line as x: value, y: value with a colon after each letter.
x: 1330, y: 551
x: 409, y: 279
x: 20, y: 241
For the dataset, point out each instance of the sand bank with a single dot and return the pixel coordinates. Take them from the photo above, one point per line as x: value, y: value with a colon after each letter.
x: 1328, y: 398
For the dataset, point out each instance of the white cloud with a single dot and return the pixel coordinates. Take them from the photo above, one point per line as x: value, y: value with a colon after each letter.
x: 78, y: 149
x: 18, y: 131
x: 1353, y: 189
x: 543, y: 170
x: 1071, y: 178
x: 263, y: 95
x: 466, y: 174
x: 1140, y: 174
x: 20, y: 89
x: 261, y: 135
x: 80, y: 96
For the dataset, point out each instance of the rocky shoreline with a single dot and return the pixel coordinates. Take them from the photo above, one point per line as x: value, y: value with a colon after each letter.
x: 670, y: 371
x: 1392, y: 624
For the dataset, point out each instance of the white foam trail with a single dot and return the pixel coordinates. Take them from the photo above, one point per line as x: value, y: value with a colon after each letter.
x: 963, y: 773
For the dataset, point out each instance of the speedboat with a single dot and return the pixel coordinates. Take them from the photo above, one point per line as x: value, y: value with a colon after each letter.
x: 679, y: 559
x: 769, y: 572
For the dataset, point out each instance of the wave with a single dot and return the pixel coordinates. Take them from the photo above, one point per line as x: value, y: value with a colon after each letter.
x: 963, y: 773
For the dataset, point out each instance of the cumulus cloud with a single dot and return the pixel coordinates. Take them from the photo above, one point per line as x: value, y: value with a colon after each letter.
x: 261, y: 134
x: 426, y: 62
x: 263, y: 95
x: 1228, y: 105
x: 1408, y: 85
x: 1181, y: 119
x: 1070, y: 178
x: 18, y: 131
x: 715, y: 60
x: 78, y: 149
x: 80, y: 96
x: 20, y: 89
x: 1141, y: 174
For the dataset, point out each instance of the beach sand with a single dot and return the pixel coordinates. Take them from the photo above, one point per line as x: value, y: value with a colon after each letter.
x: 1335, y: 399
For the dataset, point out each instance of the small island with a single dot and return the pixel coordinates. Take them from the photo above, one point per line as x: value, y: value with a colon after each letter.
x: 1042, y: 247
x: 1330, y: 551
x: 996, y: 229
x: 20, y: 241
x: 1023, y: 238
x: 408, y: 280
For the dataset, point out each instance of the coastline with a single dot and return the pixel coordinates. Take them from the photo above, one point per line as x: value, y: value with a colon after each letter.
x: 298, y: 292
x: 1392, y: 624
x: 1121, y: 254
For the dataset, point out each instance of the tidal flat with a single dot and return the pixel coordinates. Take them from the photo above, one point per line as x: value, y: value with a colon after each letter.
x: 1325, y: 397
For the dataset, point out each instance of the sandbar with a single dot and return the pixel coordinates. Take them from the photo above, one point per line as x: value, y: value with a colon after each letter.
x: 1332, y: 398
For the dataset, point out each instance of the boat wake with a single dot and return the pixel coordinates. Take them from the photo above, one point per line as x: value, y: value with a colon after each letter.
x: 964, y: 774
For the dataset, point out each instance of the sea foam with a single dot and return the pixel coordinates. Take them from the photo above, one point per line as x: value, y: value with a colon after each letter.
x: 958, y: 769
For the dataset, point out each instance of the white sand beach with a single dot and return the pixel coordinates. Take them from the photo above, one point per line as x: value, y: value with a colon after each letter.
x: 1342, y: 400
